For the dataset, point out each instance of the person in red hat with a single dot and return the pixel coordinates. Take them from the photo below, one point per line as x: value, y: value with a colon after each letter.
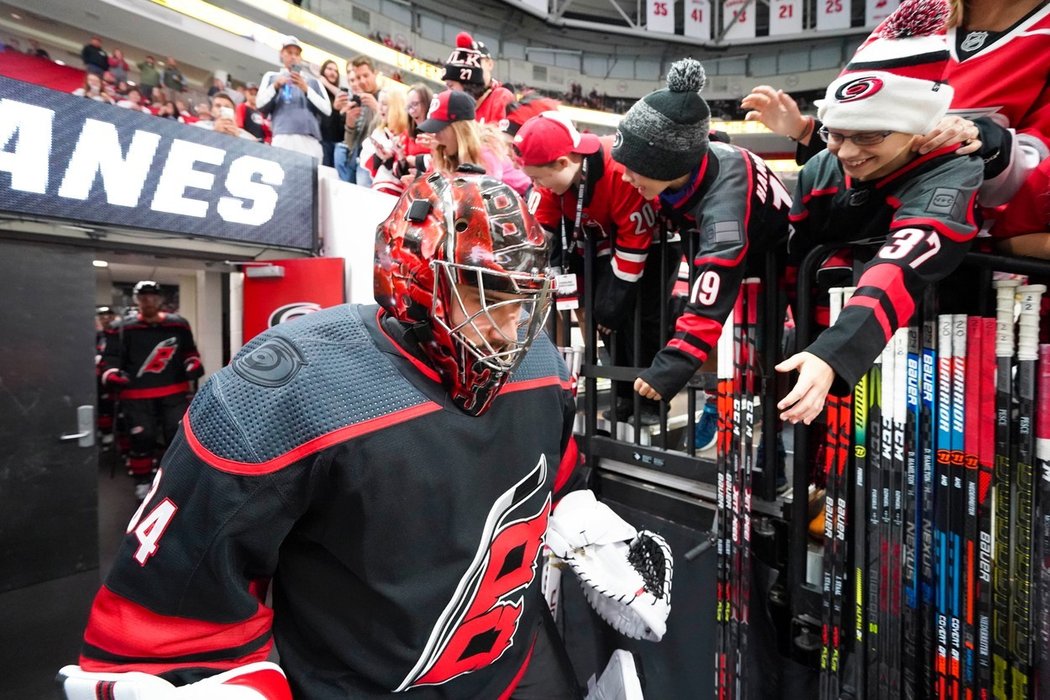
x: 459, y: 139
x: 469, y: 69
x: 568, y: 168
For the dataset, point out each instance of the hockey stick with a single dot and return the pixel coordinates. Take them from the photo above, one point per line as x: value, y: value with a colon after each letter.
x: 900, y: 347
x: 957, y: 505
x: 831, y: 417
x: 887, y: 575
x: 748, y: 350
x: 1001, y: 480
x: 1024, y: 504
x: 875, y: 677
x: 927, y: 431
x: 1042, y: 523
x: 722, y: 612
x: 942, y: 495
x: 971, y: 449
x: 986, y: 458
x: 860, y: 520
x: 911, y: 664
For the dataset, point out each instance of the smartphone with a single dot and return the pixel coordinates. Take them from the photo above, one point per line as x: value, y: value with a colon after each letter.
x: 296, y: 68
x: 356, y: 99
x: 226, y: 113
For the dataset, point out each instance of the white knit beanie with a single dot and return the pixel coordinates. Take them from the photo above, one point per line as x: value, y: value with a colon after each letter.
x: 895, y: 80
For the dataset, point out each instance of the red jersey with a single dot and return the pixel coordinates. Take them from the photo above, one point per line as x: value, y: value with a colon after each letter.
x: 623, y: 223
x: 1004, y: 75
x: 492, y: 105
x: 1029, y: 210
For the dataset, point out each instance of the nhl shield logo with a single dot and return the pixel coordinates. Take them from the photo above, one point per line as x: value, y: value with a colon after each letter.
x: 973, y: 41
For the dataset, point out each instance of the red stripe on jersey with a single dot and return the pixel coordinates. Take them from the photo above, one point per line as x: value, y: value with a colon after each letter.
x: 538, y: 383
x: 890, y: 279
x: 569, y: 458
x: 155, y: 392
x: 270, y: 683
x: 124, y: 628
x: 321, y: 442
x: 506, y: 694
x: 939, y: 225
x: 876, y: 307
x: 819, y: 193
x: 705, y: 330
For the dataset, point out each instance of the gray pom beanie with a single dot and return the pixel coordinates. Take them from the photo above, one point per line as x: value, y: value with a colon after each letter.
x: 665, y: 134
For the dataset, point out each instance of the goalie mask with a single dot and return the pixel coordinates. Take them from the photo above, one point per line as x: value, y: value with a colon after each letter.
x: 463, y: 263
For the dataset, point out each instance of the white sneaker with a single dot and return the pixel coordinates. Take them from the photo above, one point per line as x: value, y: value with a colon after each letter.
x: 619, y: 680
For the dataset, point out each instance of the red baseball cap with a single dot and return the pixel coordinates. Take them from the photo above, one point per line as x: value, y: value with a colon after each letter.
x: 447, y: 107
x: 549, y: 136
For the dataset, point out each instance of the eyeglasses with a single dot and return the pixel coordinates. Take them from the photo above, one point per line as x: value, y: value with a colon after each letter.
x: 863, y: 138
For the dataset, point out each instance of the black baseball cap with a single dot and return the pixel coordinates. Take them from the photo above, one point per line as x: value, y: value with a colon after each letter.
x: 447, y: 107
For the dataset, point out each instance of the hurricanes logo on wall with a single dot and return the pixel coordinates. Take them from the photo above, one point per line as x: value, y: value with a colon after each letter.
x: 292, y: 311
x: 859, y: 89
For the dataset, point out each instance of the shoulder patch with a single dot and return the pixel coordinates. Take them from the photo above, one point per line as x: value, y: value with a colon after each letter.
x: 943, y: 201
x: 272, y: 364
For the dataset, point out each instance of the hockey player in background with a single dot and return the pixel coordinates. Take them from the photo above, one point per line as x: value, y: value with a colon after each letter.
x: 149, y: 359
x: 392, y: 470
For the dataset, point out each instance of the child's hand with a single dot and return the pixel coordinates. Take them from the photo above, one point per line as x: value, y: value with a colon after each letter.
x: 951, y: 130
x: 646, y: 391
x: 805, y: 401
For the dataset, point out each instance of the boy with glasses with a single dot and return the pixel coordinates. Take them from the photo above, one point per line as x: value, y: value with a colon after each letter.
x: 910, y: 216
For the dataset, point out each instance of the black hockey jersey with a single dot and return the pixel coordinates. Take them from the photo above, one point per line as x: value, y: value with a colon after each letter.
x: 401, y: 535
x: 736, y: 209
x: 913, y: 227
x: 153, y: 355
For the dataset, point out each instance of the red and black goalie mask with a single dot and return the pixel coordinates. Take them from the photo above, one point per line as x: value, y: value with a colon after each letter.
x: 463, y: 262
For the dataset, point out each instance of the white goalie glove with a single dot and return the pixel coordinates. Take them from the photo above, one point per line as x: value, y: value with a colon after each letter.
x: 258, y: 681
x: 625, y: 573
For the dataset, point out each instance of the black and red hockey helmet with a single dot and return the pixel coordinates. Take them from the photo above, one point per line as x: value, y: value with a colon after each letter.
x: 449, y: 232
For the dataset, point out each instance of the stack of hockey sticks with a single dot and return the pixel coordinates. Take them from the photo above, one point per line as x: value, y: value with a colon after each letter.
x: 737, y: 366
x: 943, y: 533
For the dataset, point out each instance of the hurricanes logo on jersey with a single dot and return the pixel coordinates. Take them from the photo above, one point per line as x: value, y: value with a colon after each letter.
x: 478, y: 624
x: 159, y: 357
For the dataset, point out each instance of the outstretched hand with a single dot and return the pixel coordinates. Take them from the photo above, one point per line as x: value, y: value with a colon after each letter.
x: 776, y: 109
x: 805, y: 401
